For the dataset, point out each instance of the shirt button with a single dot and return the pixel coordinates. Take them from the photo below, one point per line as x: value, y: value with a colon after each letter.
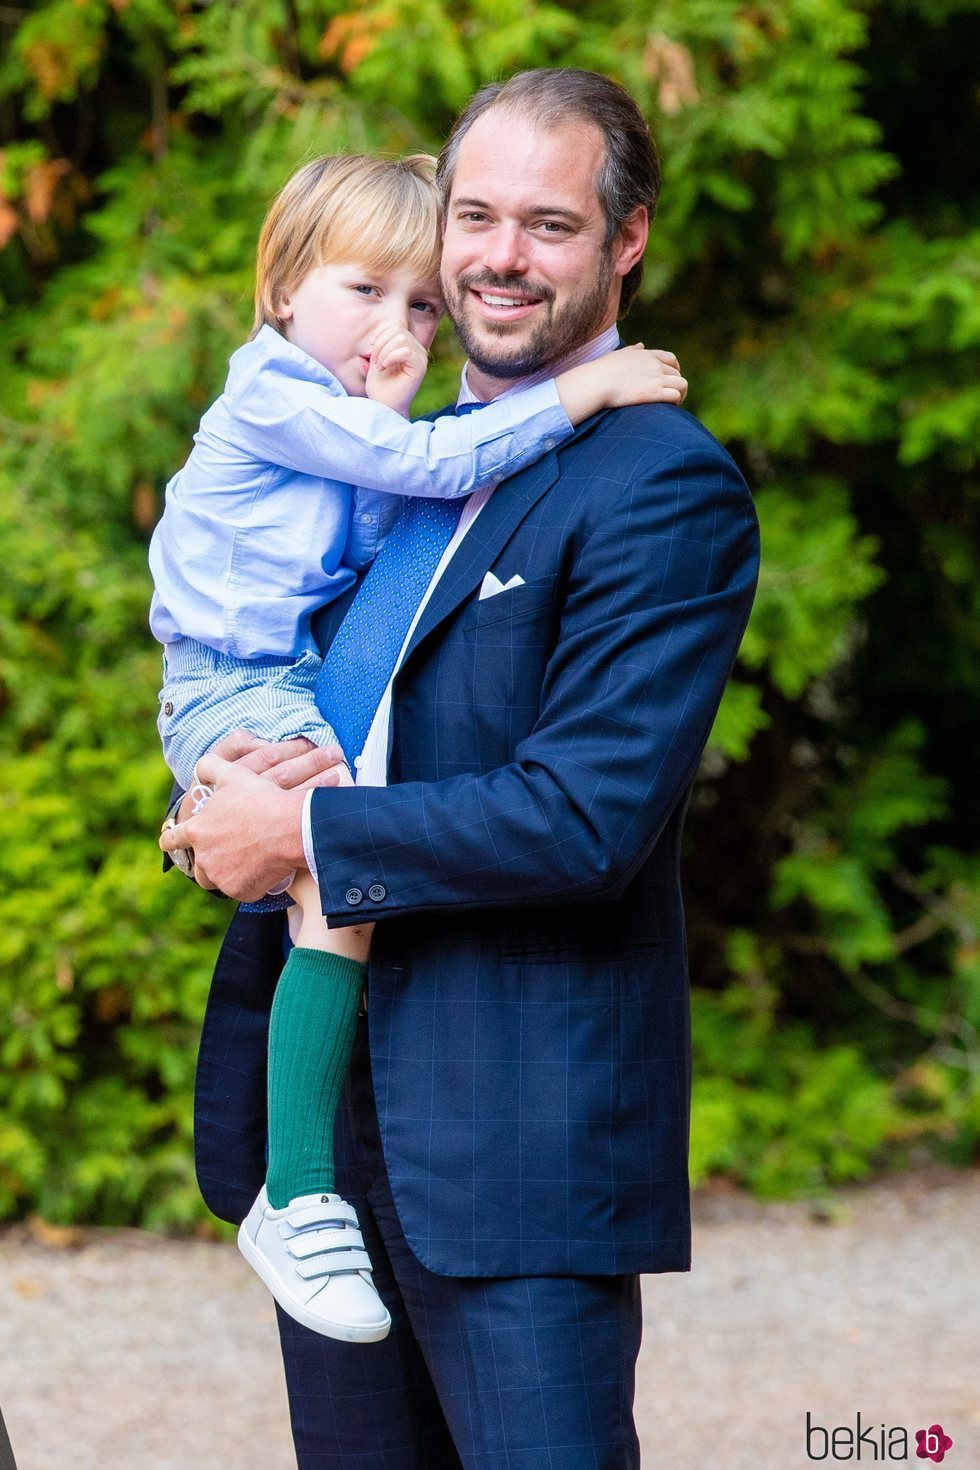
x: 549, y: 444
x: 366, y: 520
x: 168, y: 708
x: 377, y: 892
x: 354, y: 896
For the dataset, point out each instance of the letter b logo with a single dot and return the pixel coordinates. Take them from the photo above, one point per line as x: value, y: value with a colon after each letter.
x: 815, y: 1449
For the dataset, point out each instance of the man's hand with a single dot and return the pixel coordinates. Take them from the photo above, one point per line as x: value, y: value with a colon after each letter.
x: 248, y: 837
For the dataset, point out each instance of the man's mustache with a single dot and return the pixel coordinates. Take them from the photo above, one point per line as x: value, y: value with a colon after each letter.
x: 515, y: 285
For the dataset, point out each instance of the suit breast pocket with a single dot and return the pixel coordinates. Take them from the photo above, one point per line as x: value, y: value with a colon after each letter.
x: 493, y: 682
x: 527, y: 603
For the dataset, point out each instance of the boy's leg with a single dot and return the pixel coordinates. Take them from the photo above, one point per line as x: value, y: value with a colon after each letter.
x: 300, y: 1236
x: 311, y: 1030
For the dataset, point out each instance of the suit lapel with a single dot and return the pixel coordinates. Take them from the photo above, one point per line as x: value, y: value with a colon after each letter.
x: 483, y: 542
x: 489, y: 534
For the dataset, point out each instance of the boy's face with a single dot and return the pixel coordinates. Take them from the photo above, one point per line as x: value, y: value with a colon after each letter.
x: 335, y: 311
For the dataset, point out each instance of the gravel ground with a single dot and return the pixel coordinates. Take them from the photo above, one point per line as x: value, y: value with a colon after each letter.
x: 120, y: 1350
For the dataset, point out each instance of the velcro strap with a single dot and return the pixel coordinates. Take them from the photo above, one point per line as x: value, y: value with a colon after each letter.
x: 310, y: 1216
x: 315, y: 1242
x: 333, y: 1263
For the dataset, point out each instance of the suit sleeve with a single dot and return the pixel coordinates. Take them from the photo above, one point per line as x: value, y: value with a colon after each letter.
x: 658, y: 593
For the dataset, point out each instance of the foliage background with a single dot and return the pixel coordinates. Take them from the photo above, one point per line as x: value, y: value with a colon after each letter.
x: 815, y: 263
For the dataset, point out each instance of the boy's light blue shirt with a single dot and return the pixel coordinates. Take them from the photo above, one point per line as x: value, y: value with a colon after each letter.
x: 263, y: 525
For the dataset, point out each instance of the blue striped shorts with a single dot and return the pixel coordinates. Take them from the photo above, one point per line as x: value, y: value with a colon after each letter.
x: 207, y: 694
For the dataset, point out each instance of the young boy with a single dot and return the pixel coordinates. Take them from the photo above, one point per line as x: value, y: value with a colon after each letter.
x: 262, y: 527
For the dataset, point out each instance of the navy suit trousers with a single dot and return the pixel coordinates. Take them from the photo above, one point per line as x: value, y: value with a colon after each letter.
x: 500, y: 1373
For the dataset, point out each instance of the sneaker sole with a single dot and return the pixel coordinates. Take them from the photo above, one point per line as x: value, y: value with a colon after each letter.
x: 338, y: 1330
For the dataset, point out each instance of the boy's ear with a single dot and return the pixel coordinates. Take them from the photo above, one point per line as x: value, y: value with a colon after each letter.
x: 284, y: 308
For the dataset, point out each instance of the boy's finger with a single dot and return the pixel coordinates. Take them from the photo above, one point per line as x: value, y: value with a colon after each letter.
x: 385, y: 334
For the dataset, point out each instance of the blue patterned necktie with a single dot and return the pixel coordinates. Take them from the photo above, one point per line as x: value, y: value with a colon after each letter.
x: 360, y: 660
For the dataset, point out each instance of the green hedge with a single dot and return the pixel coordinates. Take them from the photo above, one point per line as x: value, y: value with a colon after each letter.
x: 815, y: 264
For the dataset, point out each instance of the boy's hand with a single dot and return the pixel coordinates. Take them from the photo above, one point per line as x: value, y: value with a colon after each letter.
x: 620, y: 379
x: 398, y: 364
x: 638, y: 375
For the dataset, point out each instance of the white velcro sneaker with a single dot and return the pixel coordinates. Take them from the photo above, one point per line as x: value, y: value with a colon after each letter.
x: 311, y: 1256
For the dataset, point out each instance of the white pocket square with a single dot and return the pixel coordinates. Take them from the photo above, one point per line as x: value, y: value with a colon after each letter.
x: 492, y: 585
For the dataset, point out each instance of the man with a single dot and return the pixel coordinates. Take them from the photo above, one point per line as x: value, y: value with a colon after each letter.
x: 516, y: 1123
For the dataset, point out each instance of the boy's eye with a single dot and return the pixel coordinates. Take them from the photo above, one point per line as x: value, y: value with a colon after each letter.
x: 366, y: 290
x: 428, y: 307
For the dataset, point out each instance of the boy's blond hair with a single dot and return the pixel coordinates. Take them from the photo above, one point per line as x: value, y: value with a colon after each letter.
x: 347, y: 209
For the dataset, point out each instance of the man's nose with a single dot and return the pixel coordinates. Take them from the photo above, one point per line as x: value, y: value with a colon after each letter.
x: 505, y: 251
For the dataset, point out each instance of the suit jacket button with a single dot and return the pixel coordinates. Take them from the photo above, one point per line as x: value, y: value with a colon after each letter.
x: 354, y: 895
x: 377, y: 892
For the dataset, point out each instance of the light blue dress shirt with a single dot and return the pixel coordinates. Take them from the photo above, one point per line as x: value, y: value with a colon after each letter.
x: 264, y: 525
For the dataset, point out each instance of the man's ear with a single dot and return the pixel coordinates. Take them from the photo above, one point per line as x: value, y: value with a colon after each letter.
x: 631, y: 241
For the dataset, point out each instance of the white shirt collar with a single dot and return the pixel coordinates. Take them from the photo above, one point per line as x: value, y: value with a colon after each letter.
x: 606, y: 341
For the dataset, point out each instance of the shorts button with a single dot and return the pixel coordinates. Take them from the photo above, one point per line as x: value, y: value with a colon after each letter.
x: 377, y: 892
x: 354, y: 895
x: 168, y: 708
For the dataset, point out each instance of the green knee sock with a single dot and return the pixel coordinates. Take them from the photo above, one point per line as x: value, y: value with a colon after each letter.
x: 311, y: 1032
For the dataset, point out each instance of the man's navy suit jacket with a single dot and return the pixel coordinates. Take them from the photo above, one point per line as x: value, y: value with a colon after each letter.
x: 528, y: 997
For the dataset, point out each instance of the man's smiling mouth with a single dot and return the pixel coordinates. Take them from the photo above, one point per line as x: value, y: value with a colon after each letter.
x: 492, y: 298
x: 496, y: 306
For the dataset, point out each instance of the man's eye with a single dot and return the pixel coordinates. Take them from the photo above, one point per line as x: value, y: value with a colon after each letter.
x: 473, y: 217
x: 553, y: 227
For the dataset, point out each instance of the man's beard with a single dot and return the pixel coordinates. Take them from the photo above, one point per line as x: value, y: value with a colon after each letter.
x: 558, y: 334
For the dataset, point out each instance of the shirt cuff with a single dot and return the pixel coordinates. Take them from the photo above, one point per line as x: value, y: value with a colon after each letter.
x: 552, y: 400
x: 281, y: 887
x: 309, y: 852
